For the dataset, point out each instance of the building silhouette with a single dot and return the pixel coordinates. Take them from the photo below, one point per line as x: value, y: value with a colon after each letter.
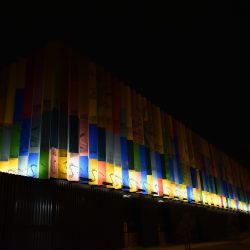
x: 101, y: 157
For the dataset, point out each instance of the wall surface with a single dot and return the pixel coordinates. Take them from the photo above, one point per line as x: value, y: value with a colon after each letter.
x: 45, y: 214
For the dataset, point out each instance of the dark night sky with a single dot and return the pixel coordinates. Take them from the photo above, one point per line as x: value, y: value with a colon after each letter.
x: 198, y: 51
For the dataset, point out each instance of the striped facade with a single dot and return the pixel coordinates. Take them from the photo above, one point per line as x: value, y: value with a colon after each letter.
x: 62, y: 116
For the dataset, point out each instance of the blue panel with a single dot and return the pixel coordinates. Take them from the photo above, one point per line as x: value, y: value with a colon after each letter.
x: 176, y: 149
x: 224, y: 186
x: 148, y: 161
x: 25, y: 137
x: 190, y: 194
x: 194, y: 177
x: 244, y: 195
x: 93, y: 141
x: 143, y: 168
x: 230, y: 191
x: 205, y: 180
x: 171, y: 166
x: 220, y: 170
x: 158, y: 165
x: 33, y: 165
x: 211, y: 184
x: 124, y: 157
x: 84, y: 167
x: 178, y: 166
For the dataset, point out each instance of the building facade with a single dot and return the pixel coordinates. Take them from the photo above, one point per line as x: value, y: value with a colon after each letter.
x: 64, y: 117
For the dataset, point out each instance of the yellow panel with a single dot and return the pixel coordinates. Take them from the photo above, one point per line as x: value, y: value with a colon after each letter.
x: 215, y: 200
x: 183, y: 192
x: 166, y: 188
x: 233, y: 204
x: 62, y: 164
x: 110, y: 173
x: 173, y: 190
x: 150, y: 183
x: 10, y: 166
x: 4, y: 166
x: 244, y: 206
x: 240, y: 205
x: 93, y: 171
x: 132, y: 181
x: 209, y: 198
x: 13, y: 166
x: 196, y: 195
x: 220, y: 200
x: 204, y: 197
x: 198, y: 179
x: 117, y: 177
x: 224, y: 201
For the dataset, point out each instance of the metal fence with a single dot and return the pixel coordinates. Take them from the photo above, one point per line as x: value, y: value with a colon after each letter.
x: 57, y: 214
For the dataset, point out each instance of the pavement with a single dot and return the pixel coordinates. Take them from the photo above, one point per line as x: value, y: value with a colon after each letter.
x: 208, y: 246
x: 239, y: 242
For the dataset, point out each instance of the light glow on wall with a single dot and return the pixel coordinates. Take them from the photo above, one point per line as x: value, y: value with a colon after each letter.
x: 63, y: 117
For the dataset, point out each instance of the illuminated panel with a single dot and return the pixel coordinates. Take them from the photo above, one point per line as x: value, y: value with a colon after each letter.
x: 64, y: 117
x: 73, y: 167
x: 54, y: 162
x: 101, y: 122
x: 93, y: 130
x: 183, y: 192
x: 117, y: 174
x: 83, y: 117
x: 123, y: 139
x: 109, y: 132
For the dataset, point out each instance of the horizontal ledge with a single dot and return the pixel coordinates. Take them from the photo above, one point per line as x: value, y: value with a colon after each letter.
x: 105, y: 183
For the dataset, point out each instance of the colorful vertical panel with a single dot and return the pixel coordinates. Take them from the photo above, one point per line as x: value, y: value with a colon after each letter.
x: 61, y: 116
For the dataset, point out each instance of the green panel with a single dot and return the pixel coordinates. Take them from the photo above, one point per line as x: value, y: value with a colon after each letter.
x: 166, y: 159
x: 183, y: 174
x: 43, y: 164
x: 15, y: 140
x: 137, y: 157
x: 201, y: 199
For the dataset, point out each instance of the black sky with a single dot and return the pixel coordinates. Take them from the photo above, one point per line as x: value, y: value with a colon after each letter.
x: 198, y: 51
